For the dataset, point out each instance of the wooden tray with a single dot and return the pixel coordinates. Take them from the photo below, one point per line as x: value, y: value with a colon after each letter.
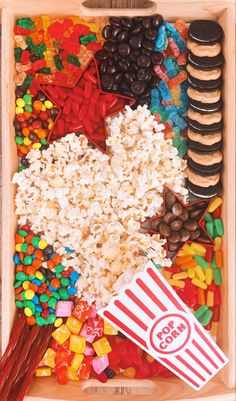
x: 221, y: 387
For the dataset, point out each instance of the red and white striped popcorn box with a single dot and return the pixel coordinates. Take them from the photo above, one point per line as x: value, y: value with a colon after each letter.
x: 150, y: 313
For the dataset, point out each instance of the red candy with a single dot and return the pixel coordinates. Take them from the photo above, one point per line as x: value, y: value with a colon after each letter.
x: 82, y: 311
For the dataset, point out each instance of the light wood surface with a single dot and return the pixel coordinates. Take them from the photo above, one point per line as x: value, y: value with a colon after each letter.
x: 160, y: 389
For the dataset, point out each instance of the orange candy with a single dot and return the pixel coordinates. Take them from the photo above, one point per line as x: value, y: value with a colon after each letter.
x: 30, y: 320
x: 37, y: 263
x: 55, y: 283
x: 56, y: 259
x: 38, y: 253
x: 25, y: 131
x: 29, y: 238
x: 19, y: 239
x: 33, y: 287
x: 37, y: 105
x: 219, y: 259
x: 41, y: 133
x: 31, y: 270
x: 183, y: 259
x: 50, y: 264
x: 30, y: 250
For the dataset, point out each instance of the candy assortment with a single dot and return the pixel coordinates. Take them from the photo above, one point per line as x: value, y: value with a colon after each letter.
x: 102, y: 109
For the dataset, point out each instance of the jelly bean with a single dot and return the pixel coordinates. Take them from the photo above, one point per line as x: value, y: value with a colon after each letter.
x: 206, y: 318
x: 208, y: 217
x: 199, y: 273
x: 214, y: 329
x: 217, y: 276
x: 199, y: 249
x: 177, y: 283
x: 219, y: 228
x: 214, y: 204
x: 208, y: 275
x: 199, y: 283
x: 187, y: 250
x: 210, y: 298
x: 209, y: 254
x: 201, y: 296
x: 201, y: 261
x: 219, y: 259
x: 200, y: 311
x: 217, y: 243
x: 191, y: 272
x: 183, y: 259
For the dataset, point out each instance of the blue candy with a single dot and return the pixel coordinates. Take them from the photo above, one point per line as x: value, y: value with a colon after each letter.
x: 35, y: 299
x: 177, y: 120
x: 72, y: 291
x: 69, y: 250
x: 38, y: 308
x: 16, y: 259
x: 164, y: 91
x: 36, y: 281
x: 171, y: 67
x: 161, y: 41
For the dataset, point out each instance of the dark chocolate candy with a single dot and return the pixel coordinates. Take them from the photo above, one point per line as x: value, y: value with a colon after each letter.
x: 205, y: 32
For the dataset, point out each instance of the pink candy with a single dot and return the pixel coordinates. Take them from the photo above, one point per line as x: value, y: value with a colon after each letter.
x: 99, y: 364
x: 64, y: 308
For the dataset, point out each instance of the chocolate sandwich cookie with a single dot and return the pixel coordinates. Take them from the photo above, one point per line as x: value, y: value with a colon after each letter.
x: 204, y: 96
x: 205, y: 119
x: 204, y: 50
x: 204, y: 143
x: 205, y: 63
x: 205, y: 32
x: 204, y: 128
x: 205, y: 163
x: 204, y: 75
x: 203, y: 85
x: 203, y: 187
x: 205, y: 108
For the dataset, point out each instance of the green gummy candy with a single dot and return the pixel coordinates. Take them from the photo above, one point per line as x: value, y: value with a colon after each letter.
x: 200, y: 311
x: 201, y: 261
x: 210, y: 228
x: 17, y: 54
x: 26, y: 23
x: 182, y: 148
x: 219, y: 228
x: 176, y: 140
x: 207, y: 317
x: 208, y: 217
x: 217, y: 276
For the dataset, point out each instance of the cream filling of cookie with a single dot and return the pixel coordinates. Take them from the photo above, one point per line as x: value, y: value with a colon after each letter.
x: 204, y: 50
x: 204, y: 139
x: 204, y: 97
x: 204, y: 75
x: 206, y: 119
x: 206, y: 159
x: 200, y: 180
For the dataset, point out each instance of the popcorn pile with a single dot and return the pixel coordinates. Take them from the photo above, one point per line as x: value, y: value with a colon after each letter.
x: 92, y: 203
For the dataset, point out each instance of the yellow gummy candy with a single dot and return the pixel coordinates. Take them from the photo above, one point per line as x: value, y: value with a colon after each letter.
x: 199, y: 283
x: 177, y: 283
x: 199, y: 249
x: 214, y: 204
x: 199, y: 273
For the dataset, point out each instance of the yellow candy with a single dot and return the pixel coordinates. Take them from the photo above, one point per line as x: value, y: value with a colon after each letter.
x: 74, y: 325
x: 19, y: 110
x: 77, y: 360
x: 20, y: 102
x: 210, y: 298
x: 29, y: 294
x: 199, y: 273
x: 27, y: 141
x: 214, y: 328
x: 101, y: 346
x: 199, y: 249
x: 49, y: 358
x: 36, y: 145
x: 48, y: 104
x: 71, y: 374
x: 109, y: 329
x: 43, y: 372
x: 180, y: 276
x: 42, y: 244
x: 214, y: 204
x: 58, y: 322
x: 191, y: 272
x: 217, y: 243
x: 18, y: 247
x: 28, y: 312
x: 61, y: 334
x: 45, y: 22
x: 188, y: 250
x: 26, y: 285
x: 199, y: 283
x: 129, y: 372
x: 208, y: 275
x: 166, y: 274
x: 177, y: 283
x: 50, y: 125
x: 43, y: 108
x: 39, y: 275
x: 77, y: 344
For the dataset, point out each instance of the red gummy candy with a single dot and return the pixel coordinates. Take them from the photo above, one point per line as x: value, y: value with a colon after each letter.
x: 102, y: 377
x: 143, y: 370
x: 25, y: 57
x: 61, y: 374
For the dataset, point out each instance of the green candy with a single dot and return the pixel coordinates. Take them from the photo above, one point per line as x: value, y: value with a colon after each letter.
x: 84, y: 40
x: 65, y: 282
x: 210, y: 228
x: 200, y: 311
x: 27, y: 261
x: 182, y: 148
x: 56, y: 295
x: 51, y: 319
x: 213, y: 263
x: 28, y: 108
x: 24, y: 247
x: 58, y: 62
x: 26, y: 23
x: 17, y: 284
x: 205, y: 320
x: 201, y: 261
x: 19, y: 304
x: 27, y: 98
x: 21, y: 276
x: 27, y: 82
x: 52, y: 303
x: 217, y: 276
x: 21, y: 168
x: 63, y: 294
x: 31, y: 278
x: 35, y: 240
x: 23, y: 233
x: 44, y: 141
x: 18, y: 140
x: 176, y: 140
x: 30, y: 305
x: 208, y: 217
x: 73, y: 60
x: 40, y: 321
x: 17, y: 54
x: 45, y: 70
x: 44, y: 298
x: 219, y: 228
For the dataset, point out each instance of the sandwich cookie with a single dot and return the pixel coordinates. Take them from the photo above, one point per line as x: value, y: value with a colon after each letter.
x: 204, y: 143
x: 205, y: 108
x: 204, y: 187
x: 205, y: 63
x: 204, y: 96
x: 204, y: 85
x: 204, y: 51
x: 204, y: 75
x: 204, y: 129
x: 205, y: 119
x: 205, y: 32
x: 207, y: 163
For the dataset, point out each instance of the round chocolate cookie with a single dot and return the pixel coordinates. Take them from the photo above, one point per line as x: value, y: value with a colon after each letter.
x: 204, y: 192
x: 205, y: 63
x: 205, y: 32
x: 199, y: 147
x: 199, y: 84
x: 205, y: 129
x: 204, y: 170
x: 205, y: 108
